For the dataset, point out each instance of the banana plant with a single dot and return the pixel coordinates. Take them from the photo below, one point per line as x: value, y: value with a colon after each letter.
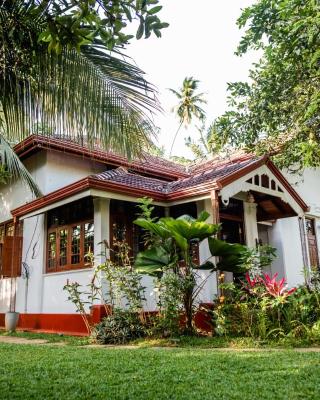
x: 173, y: 248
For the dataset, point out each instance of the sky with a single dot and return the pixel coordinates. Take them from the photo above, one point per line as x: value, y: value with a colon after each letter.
x: 200, y: 42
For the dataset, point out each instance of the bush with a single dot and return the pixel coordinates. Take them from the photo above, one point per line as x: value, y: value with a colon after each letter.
x: 262, y: 307
x: 119, y: 328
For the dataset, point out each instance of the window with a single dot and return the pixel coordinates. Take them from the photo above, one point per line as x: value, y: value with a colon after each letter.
x: 70, y: 236
x: 10, y: 249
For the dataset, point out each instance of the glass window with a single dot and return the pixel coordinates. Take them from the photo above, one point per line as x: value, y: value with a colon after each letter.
x: 70, y: 236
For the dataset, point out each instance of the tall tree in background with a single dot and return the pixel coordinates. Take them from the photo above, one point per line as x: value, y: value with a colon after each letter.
x: 278, y: 111
x: 207, y: 145
x: 189, y: 103
x: 62, y: 74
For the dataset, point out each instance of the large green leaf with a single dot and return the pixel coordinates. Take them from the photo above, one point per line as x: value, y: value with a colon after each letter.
x: 230, y: 254
x: 153, y: 261
x: 155, y: 227
x: 190, y: 229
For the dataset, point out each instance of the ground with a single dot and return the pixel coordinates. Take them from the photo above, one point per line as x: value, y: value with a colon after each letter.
x: 51, y: 371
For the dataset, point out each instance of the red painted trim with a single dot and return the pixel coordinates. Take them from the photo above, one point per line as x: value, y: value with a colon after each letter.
x: 35, y: 142
x: 265, y: 161
x: 287, y: 185
x: 72, y: 324
x: 56, y: 323
x: 184, y: 193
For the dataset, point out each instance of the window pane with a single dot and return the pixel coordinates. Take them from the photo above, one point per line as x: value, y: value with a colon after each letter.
x: 75, y: 244
x: 52, y: 247
x: 9, y: 229
x: 88, y: 239
x: 63, y: 233
x: 1, y: 233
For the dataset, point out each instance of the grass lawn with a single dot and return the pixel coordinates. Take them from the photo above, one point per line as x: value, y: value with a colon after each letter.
x: 71, y: 372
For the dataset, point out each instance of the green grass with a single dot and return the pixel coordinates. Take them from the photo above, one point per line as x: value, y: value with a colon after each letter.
x: 226, y: 342
x: 50, y: 337
x: 182, y: 341
x: 51, y: 372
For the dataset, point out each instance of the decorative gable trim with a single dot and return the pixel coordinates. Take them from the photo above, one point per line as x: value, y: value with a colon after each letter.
x: 264, y: 180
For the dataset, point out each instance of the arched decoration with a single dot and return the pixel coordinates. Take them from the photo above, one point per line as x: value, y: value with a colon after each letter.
x: 260, y: 180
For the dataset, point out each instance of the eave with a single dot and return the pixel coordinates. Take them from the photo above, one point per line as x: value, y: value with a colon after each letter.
x: 185, y: 193
x: 35, y: 142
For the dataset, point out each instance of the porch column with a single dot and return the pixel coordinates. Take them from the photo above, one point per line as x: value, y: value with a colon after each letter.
x: 101, y: 228
x: 250, y: 223
x: 210, y: 290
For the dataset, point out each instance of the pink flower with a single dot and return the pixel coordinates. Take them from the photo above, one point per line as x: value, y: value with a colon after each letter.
x: 276, y: 288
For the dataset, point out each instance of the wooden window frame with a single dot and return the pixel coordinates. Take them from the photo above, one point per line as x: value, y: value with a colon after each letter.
x: 68, y: 266
x: 11, y: 240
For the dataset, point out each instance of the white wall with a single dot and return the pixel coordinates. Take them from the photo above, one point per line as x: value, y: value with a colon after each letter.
x: 307, y: 185
x: 51, y: 171
x: 284, y: 235
x: 64, y: 169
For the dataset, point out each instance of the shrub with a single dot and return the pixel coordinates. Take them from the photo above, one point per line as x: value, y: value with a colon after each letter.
x: 263, y: 307
x: 120, y: 327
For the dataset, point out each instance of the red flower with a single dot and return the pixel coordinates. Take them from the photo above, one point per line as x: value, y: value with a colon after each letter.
x: 276, y: 288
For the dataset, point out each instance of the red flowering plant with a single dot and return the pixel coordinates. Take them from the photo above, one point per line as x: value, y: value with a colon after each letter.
x: 276, y: 289
x: 267, y: 286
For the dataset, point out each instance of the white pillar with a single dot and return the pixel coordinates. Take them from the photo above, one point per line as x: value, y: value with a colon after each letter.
x: 101, y: 228
x: 210, y: 289
x: 250, y: 223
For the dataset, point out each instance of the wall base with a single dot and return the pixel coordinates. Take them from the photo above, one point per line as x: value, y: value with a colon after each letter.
x: 72, y: 324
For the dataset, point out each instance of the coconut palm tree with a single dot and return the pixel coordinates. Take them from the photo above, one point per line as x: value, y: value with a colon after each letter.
x: 86, y: 94
x: 188, y: 106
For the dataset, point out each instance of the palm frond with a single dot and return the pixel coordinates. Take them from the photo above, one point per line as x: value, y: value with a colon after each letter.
x: 91, y: 97
x: 15, y: 168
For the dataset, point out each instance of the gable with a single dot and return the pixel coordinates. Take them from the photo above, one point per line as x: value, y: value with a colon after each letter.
x: 268, y: 180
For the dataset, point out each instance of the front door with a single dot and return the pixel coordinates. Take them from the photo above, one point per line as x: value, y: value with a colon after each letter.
x: 312, y: 243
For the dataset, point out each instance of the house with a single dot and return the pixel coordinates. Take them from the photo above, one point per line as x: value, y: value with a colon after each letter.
x: 91, y: 195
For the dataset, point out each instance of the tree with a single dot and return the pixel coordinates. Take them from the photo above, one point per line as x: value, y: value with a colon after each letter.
x: 62, y: 72
x: 206, y: 146
x: 277, y: 112
x: 188, y: 106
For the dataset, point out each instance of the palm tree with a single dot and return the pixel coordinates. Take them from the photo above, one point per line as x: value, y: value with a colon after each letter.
x: 189, y: 104
x: 91, y: 95
x: 208, y: 143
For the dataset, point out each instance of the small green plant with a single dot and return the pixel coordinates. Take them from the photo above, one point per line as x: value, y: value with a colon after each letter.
x: 120, y: 327
x: 114, y: 284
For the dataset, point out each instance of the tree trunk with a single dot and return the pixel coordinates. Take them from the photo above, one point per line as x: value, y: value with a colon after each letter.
x: 174, y: 139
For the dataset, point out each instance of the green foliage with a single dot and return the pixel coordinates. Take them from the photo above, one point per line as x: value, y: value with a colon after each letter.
x: 171, y: 252
x: 170, y: 289
x: 121, y: 327
x: 5, y: 176
x: 78, y: 23
x: 261, y: 311
x: 278, y: 109
x: 122, y: 297
x: 78, y: 90
x: 206, y: 146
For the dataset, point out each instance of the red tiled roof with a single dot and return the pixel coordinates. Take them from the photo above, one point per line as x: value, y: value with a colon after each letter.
x: 148, y: 163
x: 120, y: 180
x: 212, y: 175
x: 127, y: 178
